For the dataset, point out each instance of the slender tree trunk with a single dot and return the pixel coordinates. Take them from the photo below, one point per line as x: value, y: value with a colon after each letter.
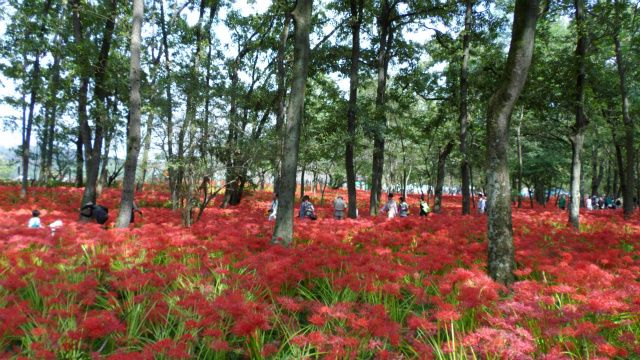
x: 168, y: 110
x: 577, y: 138
x: 501, y: 257
x: 92, y: 152
x: 620, y: 175
x: 281, y: 97
x: 51, y: 105
x: 302, y: 181
x: 145, y: 152
x: 597, y: 170
x: 357, y: 11
x: 519, y: 144
x: 442, y: 161
x: 104, y: 170
x: 464, y: 114
x: 283, y: 232
x: 133, y: 128
x: 629, y: 183
x: 35, y: 86
x: 386, y: 31
x: 79, y: 161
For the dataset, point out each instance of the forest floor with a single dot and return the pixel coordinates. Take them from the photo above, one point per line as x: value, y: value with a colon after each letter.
x: 359, y: 289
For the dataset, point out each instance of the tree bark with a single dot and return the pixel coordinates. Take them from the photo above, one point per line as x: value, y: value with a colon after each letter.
x: 501, y: 255
x: 386, y: 33
x: 92, y: 151
x: 577, y: 137
x: 145, y: 152
x: 51, y: 112
x: 616, y: 190
x: 519, y: 144
x: 357, y: 13
x: 629, y: 183
x: 597, y: 171
x: 442, y: 161
x: 79, y: 160
x: 280, y: 100
x: 304, y: 167
x: 133, y: 129
x: 464, y: 114
x: 283, y: 232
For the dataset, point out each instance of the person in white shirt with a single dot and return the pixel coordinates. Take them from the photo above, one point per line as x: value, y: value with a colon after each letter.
x: 274, y: 208
x: 482, y: 204
x: 589, y: 203
x: 391, y: 207
x: 34, y: 222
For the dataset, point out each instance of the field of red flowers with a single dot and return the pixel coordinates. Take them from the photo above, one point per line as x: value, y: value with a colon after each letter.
x: 356, y: 289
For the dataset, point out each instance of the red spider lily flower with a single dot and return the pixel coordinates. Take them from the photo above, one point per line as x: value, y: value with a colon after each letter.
x: 97, y: 324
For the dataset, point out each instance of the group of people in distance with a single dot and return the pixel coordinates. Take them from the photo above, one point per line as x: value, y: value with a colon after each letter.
x: 593, y: 203
x: 340, y: 206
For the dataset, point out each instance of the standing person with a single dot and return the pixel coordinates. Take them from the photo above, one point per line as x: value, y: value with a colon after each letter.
x: 424, y: 206
x: 589, y: 203
x: 482, y: 204
x: 306, y: 209
x: 34, y: 222
x: 404, y: 207
x: 391, y: 207
x: 562, y: 202
x: 135, y: 210
x: 338, y: 208
x: 273, y: 210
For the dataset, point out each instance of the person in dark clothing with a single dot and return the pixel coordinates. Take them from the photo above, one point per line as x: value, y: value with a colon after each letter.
x: 135, y: 210
x: 98, y: 212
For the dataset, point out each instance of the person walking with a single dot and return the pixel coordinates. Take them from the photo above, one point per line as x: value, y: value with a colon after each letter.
x: 404, y: 207
x: 307, y: 210
x: 424, y: 206
x: 482, y: 204
x: 391, y: 207
x: 339, y: 207
x: 273, y: 210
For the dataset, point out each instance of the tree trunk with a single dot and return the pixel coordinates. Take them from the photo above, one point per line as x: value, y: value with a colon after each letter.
x: 283, y: 232
x: 519, y: 144
x: 577, y: 138
x: 35, y: 86
x: 92, y: 151
x: 501, y: 257
x: 304, y: 167
x: 629, y: 183
x: 145, y: 152
x: 620, y: 175
x: 79, y: 160
x: 464, y: 115
x: 385, y: 30
x: 168, y: 110
x: 357, y: 11
x: 51, y: 112
x: 442, y: 160
x: 133, y: 130
x: 104, y: 171
x: 597, y: 171
x: 281, y: 97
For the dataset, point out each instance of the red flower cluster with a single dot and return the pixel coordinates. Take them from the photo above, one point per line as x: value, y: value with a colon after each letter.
x: 368, y: 288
